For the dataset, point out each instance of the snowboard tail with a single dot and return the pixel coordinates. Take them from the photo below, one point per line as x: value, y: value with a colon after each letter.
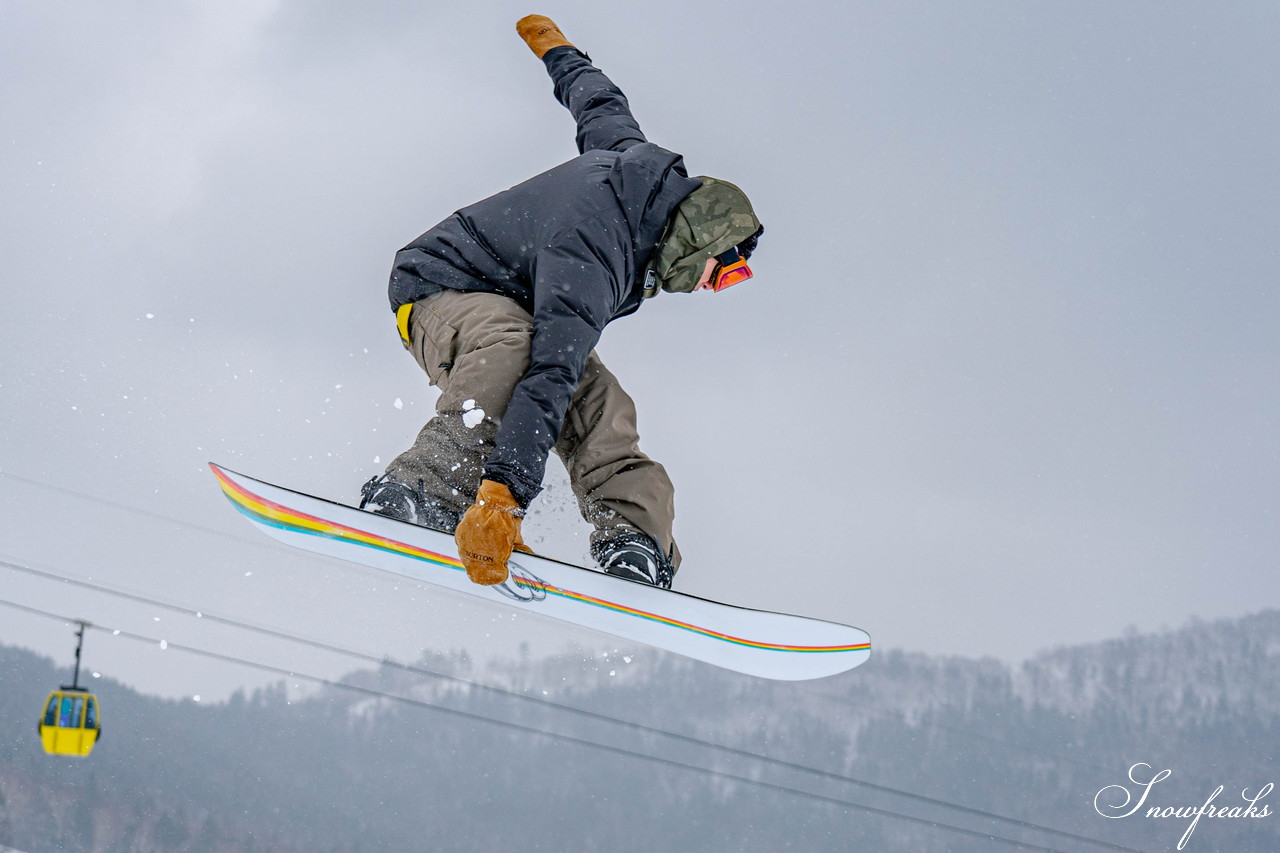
x: 756, y: 642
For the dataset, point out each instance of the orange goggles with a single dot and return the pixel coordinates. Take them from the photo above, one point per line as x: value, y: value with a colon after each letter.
x: 730, y: 269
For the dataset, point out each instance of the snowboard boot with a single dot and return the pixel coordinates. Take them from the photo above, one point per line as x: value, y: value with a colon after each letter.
x: 636, y: 557
x: 385, y: 496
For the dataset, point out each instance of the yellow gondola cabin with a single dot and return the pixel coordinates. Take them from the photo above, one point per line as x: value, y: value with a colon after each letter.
x: 71, y: 724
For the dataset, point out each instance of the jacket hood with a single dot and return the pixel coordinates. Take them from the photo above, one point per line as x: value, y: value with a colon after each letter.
x: 712, y: 219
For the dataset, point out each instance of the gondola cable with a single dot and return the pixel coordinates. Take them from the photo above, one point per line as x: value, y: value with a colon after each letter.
x: 628, y: 724
x: 584, y: 742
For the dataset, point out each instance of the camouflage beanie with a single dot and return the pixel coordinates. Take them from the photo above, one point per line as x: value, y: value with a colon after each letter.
x: 714, y: 218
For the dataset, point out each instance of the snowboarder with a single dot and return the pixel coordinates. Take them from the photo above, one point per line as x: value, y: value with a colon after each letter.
x: 502, y: 303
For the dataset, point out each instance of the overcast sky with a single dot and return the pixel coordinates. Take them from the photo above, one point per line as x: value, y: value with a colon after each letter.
x: 1006, y: 378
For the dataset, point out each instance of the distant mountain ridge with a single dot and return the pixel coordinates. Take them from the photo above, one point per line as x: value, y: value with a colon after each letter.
x: 894, y: 742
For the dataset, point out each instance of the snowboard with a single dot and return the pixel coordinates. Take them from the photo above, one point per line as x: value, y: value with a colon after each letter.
x: 755, y: 642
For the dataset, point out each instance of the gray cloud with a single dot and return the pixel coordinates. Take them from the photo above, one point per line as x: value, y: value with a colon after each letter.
x: 1005, y: 379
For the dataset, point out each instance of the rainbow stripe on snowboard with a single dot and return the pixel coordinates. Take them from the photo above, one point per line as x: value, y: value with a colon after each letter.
x: 770, y: 645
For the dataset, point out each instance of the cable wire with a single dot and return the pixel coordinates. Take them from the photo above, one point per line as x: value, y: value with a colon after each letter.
x: 255, y: 542
x: 261, y: 542
x: 548, y: 703
x: 527, y: 729
x: 634, y: 726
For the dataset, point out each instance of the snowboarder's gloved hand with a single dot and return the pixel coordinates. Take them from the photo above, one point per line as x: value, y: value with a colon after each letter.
x: 541, y: 34
x: 488, y: 532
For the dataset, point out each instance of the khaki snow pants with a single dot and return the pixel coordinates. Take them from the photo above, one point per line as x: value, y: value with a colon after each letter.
x: 474, y: 347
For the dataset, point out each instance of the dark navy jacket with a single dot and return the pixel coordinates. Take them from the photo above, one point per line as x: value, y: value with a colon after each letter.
x: 570, y: 245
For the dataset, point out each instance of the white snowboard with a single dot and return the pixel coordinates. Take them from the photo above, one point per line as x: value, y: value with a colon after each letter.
x: 756, y: 642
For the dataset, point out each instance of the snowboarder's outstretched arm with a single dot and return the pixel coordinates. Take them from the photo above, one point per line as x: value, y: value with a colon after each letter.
x: 598, y: 106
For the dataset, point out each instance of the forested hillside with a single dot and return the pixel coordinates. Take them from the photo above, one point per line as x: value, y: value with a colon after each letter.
x: 647, y: 751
